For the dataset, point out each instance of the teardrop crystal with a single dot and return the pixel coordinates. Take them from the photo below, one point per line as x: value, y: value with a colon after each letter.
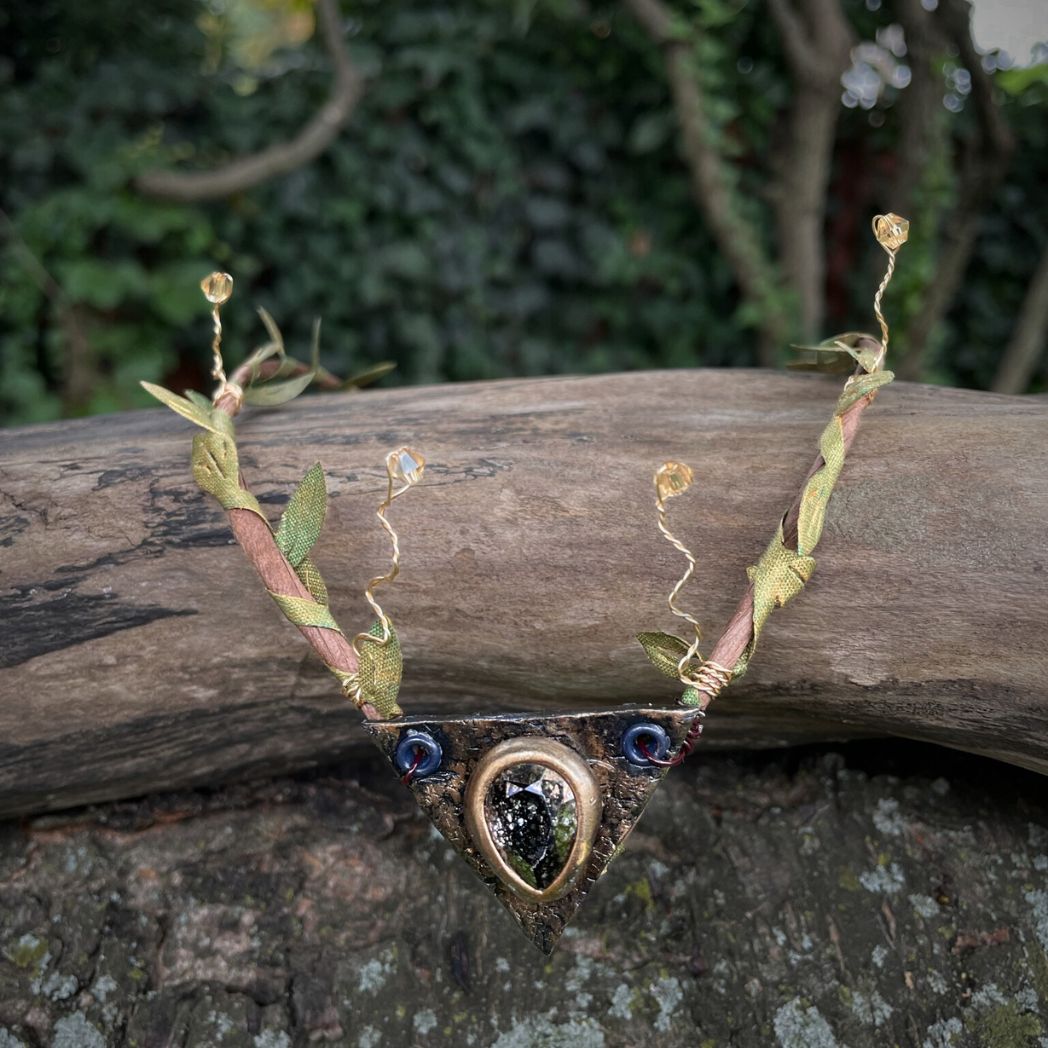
x: 531, y: 814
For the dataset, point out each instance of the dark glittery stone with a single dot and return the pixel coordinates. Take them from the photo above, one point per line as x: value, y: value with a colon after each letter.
x: 530, y: 811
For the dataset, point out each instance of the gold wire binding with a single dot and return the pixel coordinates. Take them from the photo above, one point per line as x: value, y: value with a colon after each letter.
x: 673, y: 478
x: 891, y: 232
x: 394, y: 468
x: 710, y: 680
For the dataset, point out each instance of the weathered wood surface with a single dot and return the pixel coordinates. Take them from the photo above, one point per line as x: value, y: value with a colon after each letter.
x: 141, y: 652
x: 768, y: 903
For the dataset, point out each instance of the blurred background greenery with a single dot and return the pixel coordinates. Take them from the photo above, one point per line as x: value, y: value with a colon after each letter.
x: 510, y: 188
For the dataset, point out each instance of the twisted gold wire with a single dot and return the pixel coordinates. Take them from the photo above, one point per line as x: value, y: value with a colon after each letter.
x: 394, y: 571
x: 693, y: 648
x: 218, y: 367
x: 891, y: 232
x: 877, y: 301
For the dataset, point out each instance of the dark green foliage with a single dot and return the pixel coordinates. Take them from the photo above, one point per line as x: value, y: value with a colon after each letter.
x: 507, y: 200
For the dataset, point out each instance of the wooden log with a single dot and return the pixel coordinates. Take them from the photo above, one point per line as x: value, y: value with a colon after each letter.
x: 141, y: 652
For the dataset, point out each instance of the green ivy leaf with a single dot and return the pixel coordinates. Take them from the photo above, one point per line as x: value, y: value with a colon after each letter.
x: 215, y: 421
x: 664, y: 650
x: 303, y: 518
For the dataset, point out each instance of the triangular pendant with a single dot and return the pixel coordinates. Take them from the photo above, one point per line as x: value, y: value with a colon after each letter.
x: 536, y: 804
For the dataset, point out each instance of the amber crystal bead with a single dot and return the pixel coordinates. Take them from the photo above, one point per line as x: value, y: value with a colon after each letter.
x: 217, y: 287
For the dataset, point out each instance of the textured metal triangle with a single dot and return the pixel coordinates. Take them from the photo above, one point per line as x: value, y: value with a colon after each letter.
x: 596, y: 736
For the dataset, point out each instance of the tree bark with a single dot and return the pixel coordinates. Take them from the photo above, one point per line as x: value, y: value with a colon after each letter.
x: 921, y: 114
x: 711, y: 179
x: 245, y: 172
x: 141, y: 651
x: 817, y: 41
x: 1030, y: 338
x: 983, y: 165
x: 835, y: 898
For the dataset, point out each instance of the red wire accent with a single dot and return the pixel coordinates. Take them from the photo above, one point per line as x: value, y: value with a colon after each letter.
x: 685, y: 747
x: 410, y: 773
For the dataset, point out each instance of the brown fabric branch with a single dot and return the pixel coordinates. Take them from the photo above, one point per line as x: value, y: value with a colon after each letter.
x: 739, y: 631
x: 258, y: 543
x: 736, y: 238
x: 279, y: 159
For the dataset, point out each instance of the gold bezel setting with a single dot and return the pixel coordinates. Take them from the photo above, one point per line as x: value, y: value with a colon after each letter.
x: 588, y: 808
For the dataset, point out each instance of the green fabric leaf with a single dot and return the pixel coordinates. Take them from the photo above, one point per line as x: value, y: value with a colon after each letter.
x: 258, y: 358
x: 777, y: 578
x: 199, y: 399
x: 860, y: 386
x: 820, y: 487
x: 379, y: 672
x: 369, y: 375
x: 275, y: 337
x: 281, y: 390
x: 304, y: 612
x: 664, y: 650
x: 270, y: 394
x: 311, y: 578
x: 216, y: 470
x: 215, y: 421
x: 303, y: 518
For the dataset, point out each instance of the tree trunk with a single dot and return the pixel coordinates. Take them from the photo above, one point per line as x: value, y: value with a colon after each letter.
x: 801, y: 902
x: 141, y: 652
x: 1028, y: 342
x: 817, y: 41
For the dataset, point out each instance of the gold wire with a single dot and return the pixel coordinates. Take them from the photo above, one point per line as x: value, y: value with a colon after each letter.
x: 218, y: 368
x: 394, y: 571
x: 693, y: 648
x: 880, y: 295
x: 710, y: 679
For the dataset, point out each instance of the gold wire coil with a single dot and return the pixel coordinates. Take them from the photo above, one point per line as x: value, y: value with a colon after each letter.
x: 891, y: 232
x: 710, y: 680
x: 671, y: 479
x: 407, y: 466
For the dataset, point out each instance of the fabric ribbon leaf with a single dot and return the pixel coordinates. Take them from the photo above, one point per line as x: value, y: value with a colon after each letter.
x: 270, y: 394
x: 198, y: 409
x: 303, y: 518
x: 664, y: 650
x: 300, y: 611
x: 216, y: 469
x: 379, y: 671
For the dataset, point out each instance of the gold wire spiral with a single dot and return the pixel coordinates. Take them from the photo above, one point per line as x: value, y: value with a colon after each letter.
x: 671, y: 479
x: 406, y: 467
x: 891, y: 232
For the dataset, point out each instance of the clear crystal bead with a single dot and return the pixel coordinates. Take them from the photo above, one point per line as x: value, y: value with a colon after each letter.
x: 217, y: 287
x: 672, y: 478
x: 406, y: 465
